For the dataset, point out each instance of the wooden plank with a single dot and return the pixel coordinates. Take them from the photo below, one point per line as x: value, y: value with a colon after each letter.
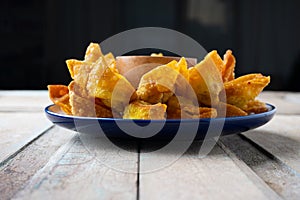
x: 277, y: 175
x: 17, y: 171
x: 215, y: 176
x: 74, y: 173
x: 286, y: 102
x: 19, y: 129
x: 281, y: 138
x: 29, y: 101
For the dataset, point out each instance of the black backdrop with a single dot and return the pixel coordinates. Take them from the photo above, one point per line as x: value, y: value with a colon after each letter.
x: 38, y: 36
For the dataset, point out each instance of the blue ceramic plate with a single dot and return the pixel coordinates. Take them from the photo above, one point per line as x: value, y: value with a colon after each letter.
x: 167, y: 128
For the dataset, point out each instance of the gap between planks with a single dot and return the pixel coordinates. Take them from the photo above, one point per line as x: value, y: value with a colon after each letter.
x: 18, y: 170
x: 273, y: 172
x: 281, y: 138
x: 215, y: 176
x: 18, y: 130
x: 13, y: 155
x: 74, y: 173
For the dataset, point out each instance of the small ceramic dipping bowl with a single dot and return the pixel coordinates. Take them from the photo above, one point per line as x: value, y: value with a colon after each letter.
x: 134, y: 67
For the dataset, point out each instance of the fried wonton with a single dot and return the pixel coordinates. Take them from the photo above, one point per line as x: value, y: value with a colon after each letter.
x: 205, y: 78
x: 181, y: 107
x: 158, y: 85
x: 144, y: 110
x: 255, y: 106
x: 59, y: 95
x: 242, y: 90
x: 79, y: 70
x: 182, y: 86
x: 96, y: 77
x: 92, y: 53
x: 228, y: 67
x: 227, y: 110
x: 87, y: 106
x: 111, y: 87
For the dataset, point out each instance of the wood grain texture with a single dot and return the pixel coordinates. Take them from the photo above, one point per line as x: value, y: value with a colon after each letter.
x: 285, y: 102
x: 19, y: 129
x: 215, y: 176
x: 277, y: 175
x: 17, y: 171
x: 281, y: 138
x: 260, y: 164
x: 74, y: 173
x: 23, y: 101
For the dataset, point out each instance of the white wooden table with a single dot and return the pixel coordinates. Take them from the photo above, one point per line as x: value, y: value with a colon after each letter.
x: 41, y: 161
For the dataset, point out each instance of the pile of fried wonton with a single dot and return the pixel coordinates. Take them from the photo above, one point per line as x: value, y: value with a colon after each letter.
x: 171, y: 91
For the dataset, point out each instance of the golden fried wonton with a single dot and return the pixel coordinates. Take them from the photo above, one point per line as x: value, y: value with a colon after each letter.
x: 87, y: 106
x: 59, y: 95
x: 158, y: 85
x: 109, y: 86
x: 96, y: 77
x: 205, y: 78
x: 242, y: 90
x: 143, y: 110
x: 228, y: 68
x: 181, y: 107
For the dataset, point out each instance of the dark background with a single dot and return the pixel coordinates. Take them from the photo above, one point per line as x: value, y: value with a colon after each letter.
x: 38, y: 36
